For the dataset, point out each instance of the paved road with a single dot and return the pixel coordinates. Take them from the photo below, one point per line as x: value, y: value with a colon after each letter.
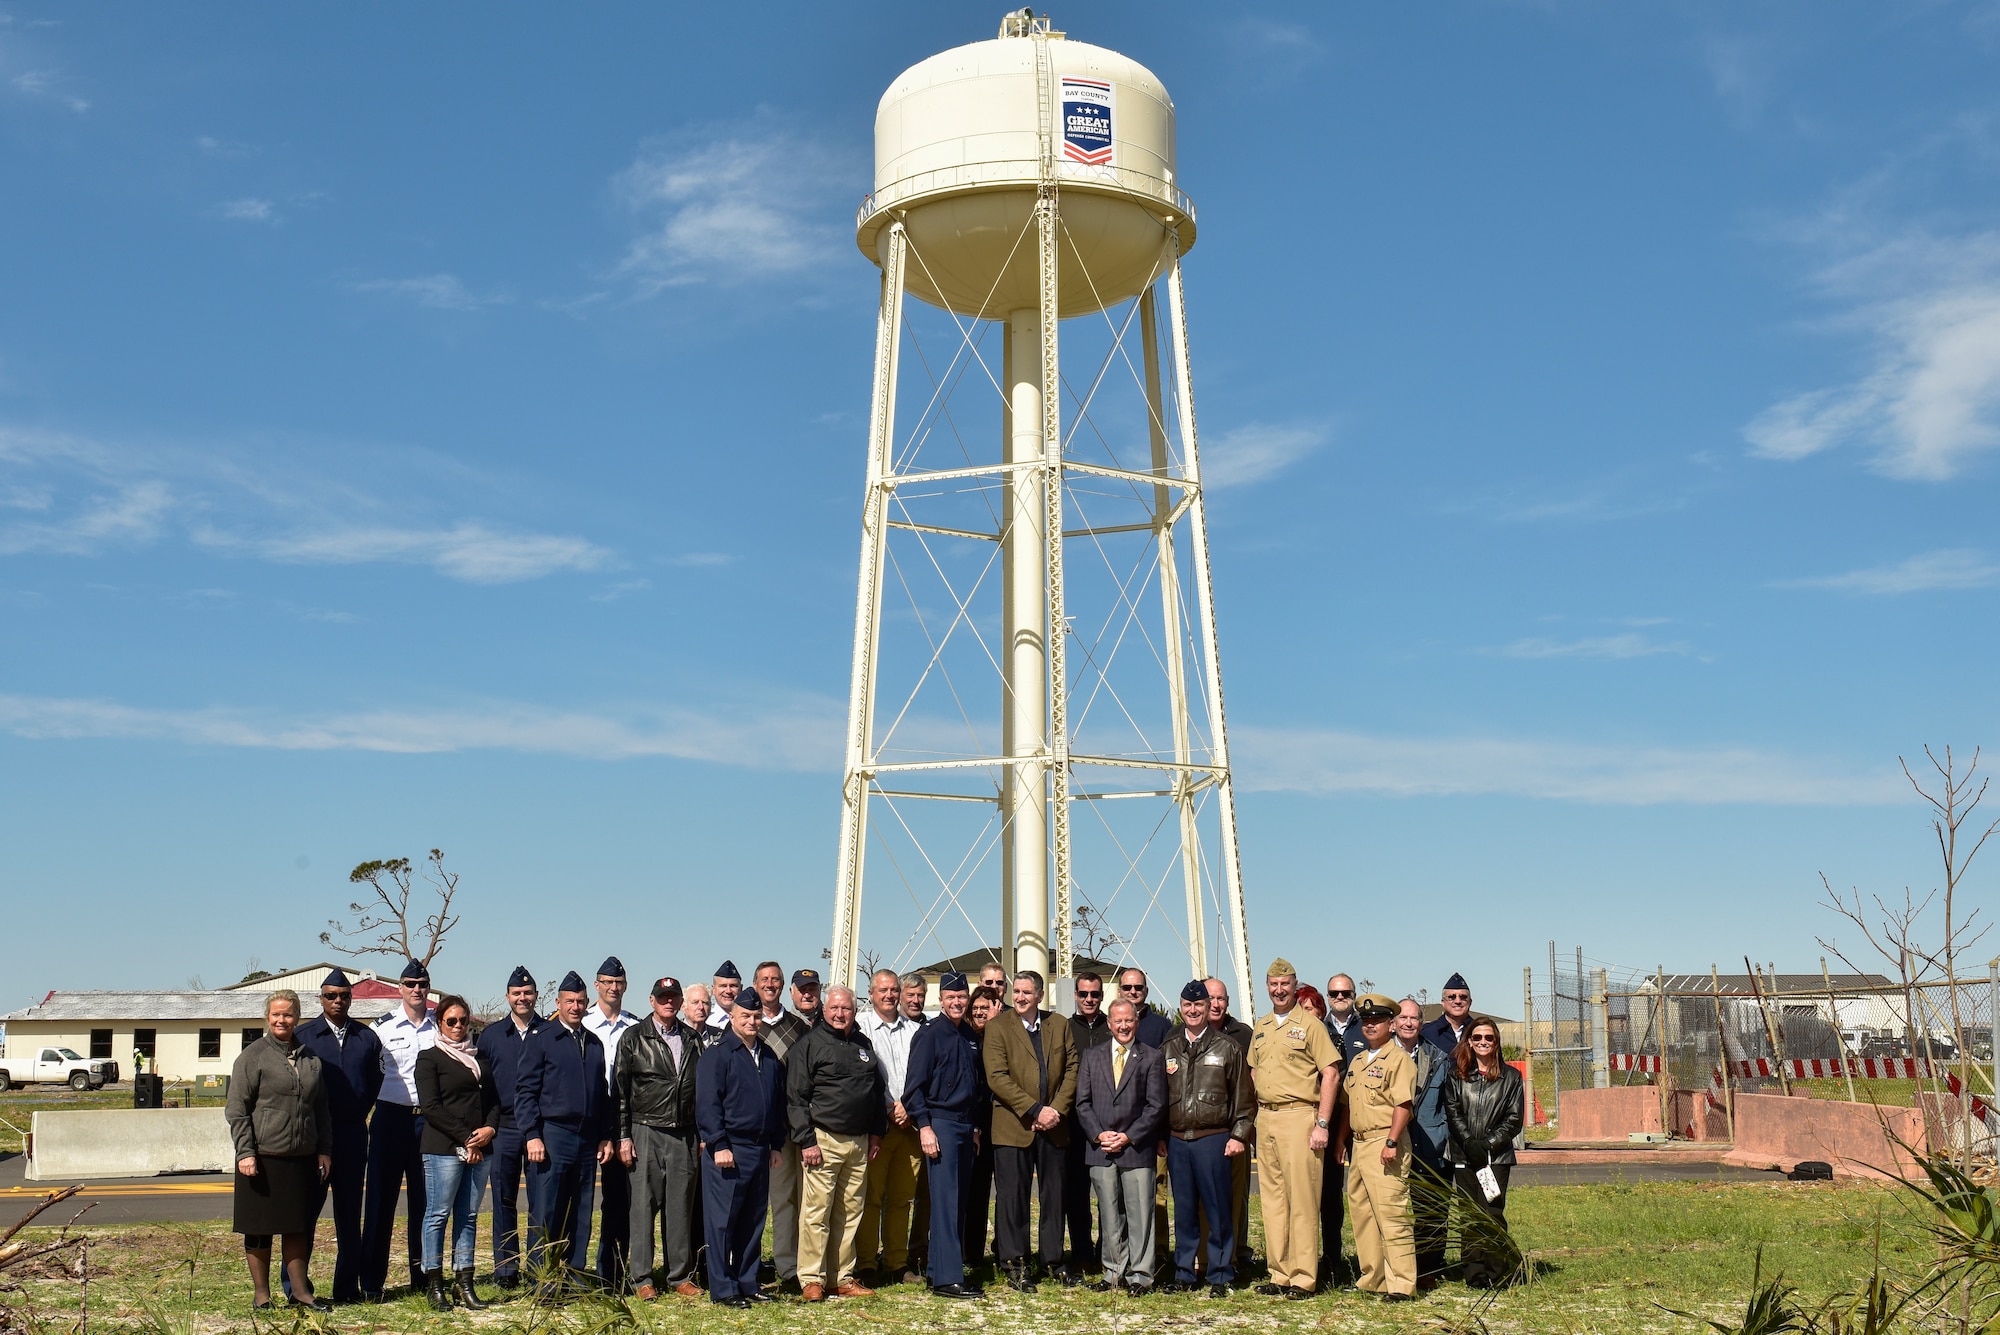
x: 202, y: 1196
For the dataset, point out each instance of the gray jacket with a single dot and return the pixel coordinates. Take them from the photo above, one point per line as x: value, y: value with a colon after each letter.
x: 277, y: 1102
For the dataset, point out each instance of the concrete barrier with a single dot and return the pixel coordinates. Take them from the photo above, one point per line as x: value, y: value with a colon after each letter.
x: 129, y: 1142
x: 1858, y: 1139
x: 1609, y: 1114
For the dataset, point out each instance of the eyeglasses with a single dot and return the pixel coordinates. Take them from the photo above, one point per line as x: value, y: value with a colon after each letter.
x: 1083, y: 995
x: 1131, y: 987
x: 458, y: 1023
x: 1337, y: 992
x: 1485, y: 1038
x: 336, y: 996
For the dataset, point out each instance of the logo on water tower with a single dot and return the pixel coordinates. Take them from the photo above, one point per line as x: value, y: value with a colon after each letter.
x: 1086, y: 121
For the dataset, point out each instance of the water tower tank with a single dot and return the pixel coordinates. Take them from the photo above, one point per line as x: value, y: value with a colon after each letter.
x: 958, y: 159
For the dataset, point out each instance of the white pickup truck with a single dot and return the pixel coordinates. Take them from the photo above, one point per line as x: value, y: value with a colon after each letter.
x: 59, y: 1066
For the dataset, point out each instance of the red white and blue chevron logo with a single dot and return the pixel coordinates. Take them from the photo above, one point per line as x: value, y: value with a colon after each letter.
x: 1086, y: 121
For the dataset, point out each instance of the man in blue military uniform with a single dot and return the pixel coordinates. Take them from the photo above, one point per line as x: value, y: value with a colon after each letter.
x: 740, y: 1113
x: 943, y: 1088
x: 396, y: 1133
x: 351, y: 1058
x: 563, y: 1109
x: 1445, y: 1032
x: 502, y: 1043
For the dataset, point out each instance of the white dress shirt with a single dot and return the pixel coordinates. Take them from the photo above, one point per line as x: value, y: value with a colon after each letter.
x: 402, y: 1040
x: 891, y: 1039
x: 608, y: 1031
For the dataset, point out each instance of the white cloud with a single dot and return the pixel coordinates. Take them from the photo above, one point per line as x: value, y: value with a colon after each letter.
x: 1256, y: 451
x: 247, y: 209
x: 1603, y: 646
x: 47, y: 85
x: 1953, y: 568
x: 1331, y: 763
x: 438, y: 292
x: 701, y: 559
x: 470, y: 552
x: 1928, y: 400
x: 737, y: 207
x: 784, y: 733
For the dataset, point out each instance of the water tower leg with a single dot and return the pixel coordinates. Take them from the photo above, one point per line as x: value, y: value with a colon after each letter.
x: 1204, y: 597
x: 1174, y: 640
x: 1026, y: 628
x: 868, y: 622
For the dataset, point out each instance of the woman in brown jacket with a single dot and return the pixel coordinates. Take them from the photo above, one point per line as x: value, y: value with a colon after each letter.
x: 278, y: 1120
x: 1031, y: 1061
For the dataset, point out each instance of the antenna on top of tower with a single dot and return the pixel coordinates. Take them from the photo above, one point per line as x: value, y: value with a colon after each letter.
x: 1023, y: 23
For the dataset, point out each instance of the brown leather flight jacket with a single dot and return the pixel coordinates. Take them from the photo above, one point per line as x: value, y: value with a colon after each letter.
x: 1208, y: 1087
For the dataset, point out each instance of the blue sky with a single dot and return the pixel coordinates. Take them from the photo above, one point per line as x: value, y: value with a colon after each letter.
x: 445, y: 428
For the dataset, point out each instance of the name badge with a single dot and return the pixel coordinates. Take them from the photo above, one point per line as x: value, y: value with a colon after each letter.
x: 1212, y: 1059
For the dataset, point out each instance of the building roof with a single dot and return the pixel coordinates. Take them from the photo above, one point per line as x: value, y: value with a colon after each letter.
x: 1772, y: 984
x: 306, y: 975
x: 226, y: 1004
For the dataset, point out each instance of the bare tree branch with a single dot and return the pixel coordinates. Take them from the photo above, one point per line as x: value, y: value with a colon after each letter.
x: 384, y: 926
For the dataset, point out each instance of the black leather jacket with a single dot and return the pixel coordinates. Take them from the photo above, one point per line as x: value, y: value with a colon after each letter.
x: 1483, y: 1117
x: 1208, y: 1087
x: 651, y: 1092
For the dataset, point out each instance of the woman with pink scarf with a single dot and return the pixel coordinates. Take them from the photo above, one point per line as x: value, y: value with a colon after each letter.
x: 461, y: 1111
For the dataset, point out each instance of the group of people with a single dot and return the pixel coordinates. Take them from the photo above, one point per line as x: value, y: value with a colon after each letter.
x: 874, y: 1138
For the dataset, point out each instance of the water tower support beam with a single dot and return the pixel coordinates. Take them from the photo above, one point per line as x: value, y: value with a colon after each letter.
x: 1204, y: 592
x: 858, y: 771
x: 1025, y: 902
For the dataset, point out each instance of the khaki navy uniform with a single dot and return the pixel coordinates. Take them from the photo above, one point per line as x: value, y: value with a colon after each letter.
x: 1287, y: 1055
x: 1378, y: 1195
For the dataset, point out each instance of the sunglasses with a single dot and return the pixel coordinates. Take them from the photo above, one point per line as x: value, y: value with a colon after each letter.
x: 336, y: 996
x: 1131, y: 987
x: 1458, y: 996
x: 1337, y: 992
x: 459, y: 1023
x: 1485, y: 1038
x: 1098, y: 993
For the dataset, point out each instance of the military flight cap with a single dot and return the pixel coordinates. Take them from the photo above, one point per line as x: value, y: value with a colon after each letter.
x: 952, y: 982
x: 520, y: 977
x: 666, y: 987
x: 335, y: 979
x: 1375, y: 1006
x: 805, y: 978
x: 727, y: 969
x: 750, y: 1001
x: 1195, y: 991
x: 1281, y: 968
x: 1456, y: 983
x: 414, y: 972
x: 571, y: 982
x: 613, y: 967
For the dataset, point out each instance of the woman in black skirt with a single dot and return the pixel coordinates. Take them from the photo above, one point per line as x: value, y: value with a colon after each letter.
x: 284, y: 1149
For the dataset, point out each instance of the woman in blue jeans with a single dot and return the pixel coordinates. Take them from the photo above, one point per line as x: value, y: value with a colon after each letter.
x: 461, y: 1111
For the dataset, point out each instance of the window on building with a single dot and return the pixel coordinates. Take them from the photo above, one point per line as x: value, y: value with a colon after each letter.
x: 251, y: 1036
x: 100, y: 1043
x: 209, y: 1045
x: 143, y: 1042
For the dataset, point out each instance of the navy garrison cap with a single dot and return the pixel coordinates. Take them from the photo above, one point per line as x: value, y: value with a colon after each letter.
x: 727, y: 969
x: 1456, y: 983
x: 520, y: 977
x: 952, y: 982
x: 749, y: 1001
x: 1196, y: 990
x: 613, y: 967
x: 414, y: 972
x: 570, y: 983
x: 335, y: 979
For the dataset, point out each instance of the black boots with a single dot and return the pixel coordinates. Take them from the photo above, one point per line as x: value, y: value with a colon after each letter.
x: 434, y: 1290
x: 462, y: 1292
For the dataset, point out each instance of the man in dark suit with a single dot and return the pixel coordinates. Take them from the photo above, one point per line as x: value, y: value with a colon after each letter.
x: 351, y: 1058
x: 502, y: 1043
x: 1031, y: 1070
x: 1445, y: 1032
x: 1121, y: 1104
x: 739, y: 1108
x: 562, y: 1106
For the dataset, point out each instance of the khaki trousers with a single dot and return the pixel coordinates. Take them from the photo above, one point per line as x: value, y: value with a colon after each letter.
x: 1288, y: 1182
x: 831, y: 1201
x: 1378, y: 1208
x: 892, y: 1186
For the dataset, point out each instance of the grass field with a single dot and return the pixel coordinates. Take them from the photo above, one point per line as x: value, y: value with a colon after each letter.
x: 1605, y: 1258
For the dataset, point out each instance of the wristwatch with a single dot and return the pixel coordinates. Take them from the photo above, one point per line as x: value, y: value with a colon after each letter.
x: 1320, y: 1122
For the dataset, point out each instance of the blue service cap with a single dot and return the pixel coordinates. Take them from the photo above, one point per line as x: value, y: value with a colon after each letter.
x: 521, y: 977
x: 727, y: 969
x: 414, y: 972
x: 1456, y: 983
x: 613, y: 967
x: 1197, y: 990
x: 952, y: 982
x: 571, y: 983
x: 335, y: 979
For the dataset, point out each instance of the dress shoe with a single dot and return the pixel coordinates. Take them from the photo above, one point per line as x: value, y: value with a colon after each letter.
x: 1273, y: 1290
x: 312, y: 1304
x: 264, y: 1306
x: 1064, y: 1276
x: 1218, y: 1290
x: 1297, y: 1294
x: 645, y: 1293
x: 689, y: 1289
x: 790, y: 1287
x: 813, y: 1293
x: 956, y: 1291
x: 1102, y: 1286
x: 732, y: 1302
x: 1138, y: 1290
x: 1399, y: 1297
x: 853, y: 1290
x: 508, y: 1282
x: 761, y: 1297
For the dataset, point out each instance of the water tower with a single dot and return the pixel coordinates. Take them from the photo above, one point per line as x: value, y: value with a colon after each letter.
x: 1036, y: 685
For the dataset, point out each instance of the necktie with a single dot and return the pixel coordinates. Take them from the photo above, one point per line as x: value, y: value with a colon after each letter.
x: 1118, y: 1064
